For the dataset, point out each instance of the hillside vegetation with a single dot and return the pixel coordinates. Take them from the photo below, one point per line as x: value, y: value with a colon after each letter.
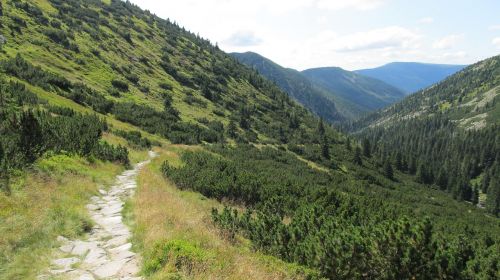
x: 411, y: 76
x: 448, y: 135
x: 368, y: 94
x: 261, y: 188
x: 321, y: 102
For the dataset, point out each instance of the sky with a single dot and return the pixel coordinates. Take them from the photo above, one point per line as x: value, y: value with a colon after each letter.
x: 352, y: 34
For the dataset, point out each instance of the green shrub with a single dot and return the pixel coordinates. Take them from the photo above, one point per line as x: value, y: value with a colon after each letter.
x: 120, y: 85
x: 182, y: 254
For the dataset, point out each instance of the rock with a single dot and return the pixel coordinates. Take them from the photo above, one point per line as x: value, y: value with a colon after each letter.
x: 86, y: 276
x: 124, y: 255
x: 131, y: 268
x: 62, y: 239
x: 96, y: 256
x: 92, y: 207
x: 66, y: 262
x: 66, y: 248
x: 125, y: 247
x: 81, y: 247
x: 109, y: 269
x: 117, y: 241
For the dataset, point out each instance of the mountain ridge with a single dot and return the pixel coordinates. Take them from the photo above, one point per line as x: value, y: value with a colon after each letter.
x: 247, y: 184
x: 367, y: 92
x: 297, y: 86
x: 411, y: 76
x: 354, y: 95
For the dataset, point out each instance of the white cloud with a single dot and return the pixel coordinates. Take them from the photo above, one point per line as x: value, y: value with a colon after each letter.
x: 356, y: 33
x: 454, y: 55
x: 344, y: 4
x: 496, y: 42
x: 426, y: 20
x: 243, y: 38
x: 448, y: 42
x: 494, y: 27
x: 383, y: 38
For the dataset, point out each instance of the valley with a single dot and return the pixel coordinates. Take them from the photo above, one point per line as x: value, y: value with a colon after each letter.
x: 132, y: 148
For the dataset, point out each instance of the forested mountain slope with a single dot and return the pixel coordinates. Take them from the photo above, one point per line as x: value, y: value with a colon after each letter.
x: 368, y: 93
x: 411, y: 76
x: 88, y: 86
x: 447, y: 134
x: 469, y: 98
x: 296, y: 85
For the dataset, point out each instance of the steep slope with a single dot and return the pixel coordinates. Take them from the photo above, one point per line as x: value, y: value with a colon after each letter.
x: 274, y: 192
x: 447, y: 134
x: 411, y: 76
x: 295, y: 84
x: 469, y: 98
x: 368, y: 93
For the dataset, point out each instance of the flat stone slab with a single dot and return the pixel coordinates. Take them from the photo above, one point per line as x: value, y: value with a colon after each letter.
x: 109, y: 269
x: 82, y: 247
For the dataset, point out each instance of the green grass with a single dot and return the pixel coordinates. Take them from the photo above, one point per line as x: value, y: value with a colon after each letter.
x: 46, y: 202
x: 173, y: 230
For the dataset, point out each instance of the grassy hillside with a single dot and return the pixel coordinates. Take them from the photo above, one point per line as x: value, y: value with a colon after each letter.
x: 296, y: 85
x: 469, y: 98
x: 411, y: 76
x: 259, y: 188
x: 367, y: 93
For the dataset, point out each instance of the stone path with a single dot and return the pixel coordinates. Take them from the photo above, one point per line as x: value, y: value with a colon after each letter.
x: 106, y: 254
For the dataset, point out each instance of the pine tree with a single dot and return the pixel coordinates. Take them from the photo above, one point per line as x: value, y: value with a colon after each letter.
x: 232, y: 130
x: 321, y: 127
x: 31, y: 136
x: 357, y: 156
x: 167, y: 101
x: 442, y: 180
x: 412, y: 167
x: 367, y: 152
x: 493, y: 197
x: 348, y: 144
x: 388, y: 171
x: 325, y: 148
x: 398, y: 161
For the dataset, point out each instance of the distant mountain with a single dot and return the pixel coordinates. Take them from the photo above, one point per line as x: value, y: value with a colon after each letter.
x: 367, y: 93
x: 411, y: 76
x: 332, y: 93
x: 295, y: 84
x: 469, y: 98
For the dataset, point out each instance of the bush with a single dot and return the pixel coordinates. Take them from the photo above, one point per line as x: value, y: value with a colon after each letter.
x: 181, y: 254
x: 133, y: 78
x: 120, y: 85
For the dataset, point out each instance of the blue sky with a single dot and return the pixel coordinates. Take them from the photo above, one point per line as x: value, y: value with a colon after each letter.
x: 352, y: 34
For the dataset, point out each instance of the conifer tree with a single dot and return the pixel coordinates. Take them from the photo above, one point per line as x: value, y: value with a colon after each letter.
x: 357, y: 156
x: 388, y: 171
x: 398, y: 162
x: 412, y: 167
x: 348, y: 144
x: 493, y: 197
x: 31, y: 136
x: 232, y: 129
x: 321, y: 127
x: 325, y: 148
x: 367, y: 151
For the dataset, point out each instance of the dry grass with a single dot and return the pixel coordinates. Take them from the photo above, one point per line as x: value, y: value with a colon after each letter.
x: 164, y: 213
x: 44, y: 204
